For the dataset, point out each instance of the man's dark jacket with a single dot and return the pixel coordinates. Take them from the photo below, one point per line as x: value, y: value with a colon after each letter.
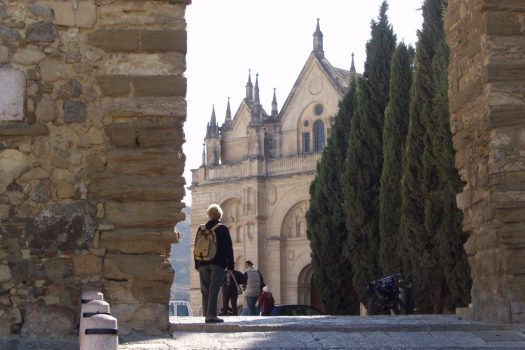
x: 224, y: 257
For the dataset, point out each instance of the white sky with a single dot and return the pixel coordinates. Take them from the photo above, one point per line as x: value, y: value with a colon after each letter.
x: 273, y: 38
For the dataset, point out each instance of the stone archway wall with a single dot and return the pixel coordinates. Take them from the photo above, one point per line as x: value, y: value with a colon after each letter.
x: 91, y: 159
x: 487, y: 94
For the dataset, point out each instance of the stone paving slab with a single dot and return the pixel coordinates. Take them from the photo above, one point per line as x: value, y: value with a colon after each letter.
x: 310, y: 332
x: 406, y: 323
x: 321, y: 340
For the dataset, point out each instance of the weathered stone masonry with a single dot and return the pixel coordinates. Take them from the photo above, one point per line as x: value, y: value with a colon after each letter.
x: 487, y: 102
x: 91, y: 112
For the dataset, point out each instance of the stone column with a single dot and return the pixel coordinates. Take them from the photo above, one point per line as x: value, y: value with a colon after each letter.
x: 91, y: 159
x: 487, y: 94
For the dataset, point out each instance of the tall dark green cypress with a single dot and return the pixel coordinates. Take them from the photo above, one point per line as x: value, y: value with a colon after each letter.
x: 332, y: 272
x: 430, y: 219
x: 449, y: 234
x: 394, y: 137
x: 362, y: 172
x: 418, y: 260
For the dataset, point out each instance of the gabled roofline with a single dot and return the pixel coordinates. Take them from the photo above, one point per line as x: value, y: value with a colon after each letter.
x: 328, y: 69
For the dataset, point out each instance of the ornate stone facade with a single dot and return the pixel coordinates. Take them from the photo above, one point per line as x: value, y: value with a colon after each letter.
x: 91, y: 112
x: 258, y: 166
x: 487, y: 102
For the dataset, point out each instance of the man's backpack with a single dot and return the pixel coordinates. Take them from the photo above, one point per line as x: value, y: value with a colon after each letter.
x: 205, y: 247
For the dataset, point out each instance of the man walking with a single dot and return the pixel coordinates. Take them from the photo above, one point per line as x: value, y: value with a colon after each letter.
x: 254, y: 285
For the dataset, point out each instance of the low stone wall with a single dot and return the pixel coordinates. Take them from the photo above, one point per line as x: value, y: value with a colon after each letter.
x: 487, y: 94
x: 92, y: 104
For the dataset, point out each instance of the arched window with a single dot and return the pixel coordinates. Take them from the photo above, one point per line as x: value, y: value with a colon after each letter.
x: 318, y: 135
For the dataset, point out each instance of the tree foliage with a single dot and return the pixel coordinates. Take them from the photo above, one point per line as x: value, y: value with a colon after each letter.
x: 430, y: 219
x: 394, y: 137
x: 332, y: 272
x: 362, y: 172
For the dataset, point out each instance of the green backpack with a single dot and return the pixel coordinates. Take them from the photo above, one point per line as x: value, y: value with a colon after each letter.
x: 205, y: 247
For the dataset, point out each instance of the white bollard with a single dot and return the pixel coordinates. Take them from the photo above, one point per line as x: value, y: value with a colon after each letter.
x: 90, y: 309
x: 87, y: 296
x: 90, y: 295
x: 101, y: 333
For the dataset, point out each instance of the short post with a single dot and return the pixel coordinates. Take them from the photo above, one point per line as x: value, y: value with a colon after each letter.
x: 87, y: 296
x: 91, y: 295
x: 101, y: 333
x: 92, y: 308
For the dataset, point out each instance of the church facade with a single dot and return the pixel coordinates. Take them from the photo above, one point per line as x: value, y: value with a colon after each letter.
x: 258, y: 167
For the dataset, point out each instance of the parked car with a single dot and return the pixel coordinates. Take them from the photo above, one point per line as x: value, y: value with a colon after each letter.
x: 180, y: 308
x: 294, y: 310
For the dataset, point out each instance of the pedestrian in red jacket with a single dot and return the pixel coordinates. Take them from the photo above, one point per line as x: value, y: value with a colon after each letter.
x: 265, y: 302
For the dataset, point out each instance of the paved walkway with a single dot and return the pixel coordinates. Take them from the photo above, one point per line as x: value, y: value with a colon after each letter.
x: 313, y: 332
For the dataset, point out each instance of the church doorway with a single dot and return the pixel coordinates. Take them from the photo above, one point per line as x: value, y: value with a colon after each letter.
x: 307, y: 293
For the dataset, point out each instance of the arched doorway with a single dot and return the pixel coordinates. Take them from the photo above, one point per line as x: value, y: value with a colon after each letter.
x: 306, y: 292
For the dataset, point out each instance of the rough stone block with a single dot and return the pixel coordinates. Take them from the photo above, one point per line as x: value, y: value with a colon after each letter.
x: 136, y: 317
x: 503, y: 5
x: 159, y: 86
x: 74, y: 111
x: 9, y: 35
x: 12, y: 94
x: 133, y: 13
x: 171, y: 63
x: 503, y: 23
x: 507, y: 116
x: 149, y: 267
x: 41, y: 32
x: 119, y: 292
x: 52, y: 70
x: 123, y: 40
x: 87, y: 265
x: 3, y: 10
x: 134, y: 241
x: 114, y: 85
x: 28, y: 56
x: 146, y: 135
x: 41, y: 10
x: 46, y: 110
x: 161, y: 136
x: 4, y: 54
x: 144, y: 214
x: 163, y: 40
x: 162, y: 162
x: 138, y: 187
x: 509, y: 72
x: 62, y: 226
x: 42, y: 321
x: 13, y: 163
x: 146, y: 107
x: 122, y: 135
x: 84, y: 16
x: 137, y: 291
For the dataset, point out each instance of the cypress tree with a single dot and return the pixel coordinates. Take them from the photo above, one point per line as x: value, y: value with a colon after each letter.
x: 362, y: 172
x: 415, y: 178
x: 332, y: 272
x: 449, y: 234
x: 430, y: 219
x: 394, y: 137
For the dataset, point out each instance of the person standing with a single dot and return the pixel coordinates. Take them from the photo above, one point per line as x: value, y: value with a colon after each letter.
x: 230, y: 286
x: 254, y: 285
x: 212, y: 272
x: 265, y: 302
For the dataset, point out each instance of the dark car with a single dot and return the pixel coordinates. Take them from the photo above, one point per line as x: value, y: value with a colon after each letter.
x: 294, y: 310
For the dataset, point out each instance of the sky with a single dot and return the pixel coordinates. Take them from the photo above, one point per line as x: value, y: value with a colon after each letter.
x: 274, y: 38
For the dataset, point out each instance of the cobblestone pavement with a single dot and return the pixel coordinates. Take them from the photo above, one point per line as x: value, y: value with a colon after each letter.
x: 315, y: 332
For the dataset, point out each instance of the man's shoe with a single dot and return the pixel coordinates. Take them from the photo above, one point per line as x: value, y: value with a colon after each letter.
x: 214, y: 320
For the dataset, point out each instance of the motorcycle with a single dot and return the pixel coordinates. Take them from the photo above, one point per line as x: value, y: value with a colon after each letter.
x: 390, y: 295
